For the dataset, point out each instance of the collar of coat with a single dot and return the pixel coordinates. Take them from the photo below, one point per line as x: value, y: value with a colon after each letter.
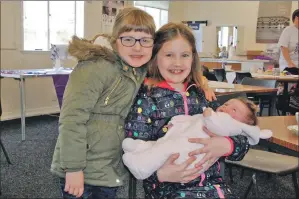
x: 164, y: 84
x: 98, y: 48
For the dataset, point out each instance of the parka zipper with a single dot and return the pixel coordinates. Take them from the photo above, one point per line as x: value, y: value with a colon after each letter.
x: 134, y: 72
x: 184, y: 95
x: 108, y: 97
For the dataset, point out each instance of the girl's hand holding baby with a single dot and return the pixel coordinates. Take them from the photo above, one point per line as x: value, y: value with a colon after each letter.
x: 171, y: 172
x: 214, y: 148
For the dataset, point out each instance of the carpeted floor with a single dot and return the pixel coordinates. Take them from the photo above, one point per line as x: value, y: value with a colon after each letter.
x: 29, y: 175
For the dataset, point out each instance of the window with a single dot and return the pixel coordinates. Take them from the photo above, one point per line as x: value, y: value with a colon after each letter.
x: 51, y: 22
x: 160, y: 15
x: 223, y: 38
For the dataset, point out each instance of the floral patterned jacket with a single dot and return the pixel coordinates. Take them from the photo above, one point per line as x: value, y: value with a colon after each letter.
x: 152, y: 110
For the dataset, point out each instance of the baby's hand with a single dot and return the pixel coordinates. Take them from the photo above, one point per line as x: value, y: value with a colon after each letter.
x: 207, y: 112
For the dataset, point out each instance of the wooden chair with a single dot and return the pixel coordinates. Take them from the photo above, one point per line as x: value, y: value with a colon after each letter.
x: 267, y: 162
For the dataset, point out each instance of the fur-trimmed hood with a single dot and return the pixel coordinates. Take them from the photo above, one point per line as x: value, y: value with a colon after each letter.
x: 99, y: 47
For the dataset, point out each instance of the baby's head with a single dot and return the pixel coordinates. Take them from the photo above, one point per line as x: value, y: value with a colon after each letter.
x: 240, y: 109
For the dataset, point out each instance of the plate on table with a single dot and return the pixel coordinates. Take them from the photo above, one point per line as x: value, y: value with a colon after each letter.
x: 294, y: 129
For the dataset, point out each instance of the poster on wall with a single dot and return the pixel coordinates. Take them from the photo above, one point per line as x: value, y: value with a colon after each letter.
x: 273, y: 17
x: 109, y: 11
x: 197, y: 31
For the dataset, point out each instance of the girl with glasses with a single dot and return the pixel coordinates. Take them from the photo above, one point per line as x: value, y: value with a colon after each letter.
x: 98, y: 97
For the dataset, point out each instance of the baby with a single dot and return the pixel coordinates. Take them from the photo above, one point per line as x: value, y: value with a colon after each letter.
x: 235, y: 117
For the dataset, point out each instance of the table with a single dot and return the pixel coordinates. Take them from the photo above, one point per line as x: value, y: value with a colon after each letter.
x: 223, y: 88
x: 284, y: 79
x: 283, y: 139
x: 280, y: 78
x: 21, y: 75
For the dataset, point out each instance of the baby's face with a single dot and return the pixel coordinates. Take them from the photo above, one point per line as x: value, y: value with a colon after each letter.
x: 236, y: 109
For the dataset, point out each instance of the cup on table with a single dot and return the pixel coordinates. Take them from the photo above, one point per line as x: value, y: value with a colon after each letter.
x: 276, y: 71
x: 297, y: 117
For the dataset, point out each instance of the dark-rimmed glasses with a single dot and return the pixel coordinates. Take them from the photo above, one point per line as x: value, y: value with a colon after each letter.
x: 146, y: 42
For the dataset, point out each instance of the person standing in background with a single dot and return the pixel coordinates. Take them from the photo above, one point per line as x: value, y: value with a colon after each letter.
x: 231, y: 51
x: 289, y: 45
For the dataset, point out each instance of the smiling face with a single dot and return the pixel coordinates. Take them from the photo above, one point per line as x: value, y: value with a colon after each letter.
x: 236, y: 109
x: 136, y: 55
x: 174, y: 60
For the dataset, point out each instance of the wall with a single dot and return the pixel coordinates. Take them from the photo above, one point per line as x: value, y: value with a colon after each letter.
x: 240, y: 13
x: 40, y: 93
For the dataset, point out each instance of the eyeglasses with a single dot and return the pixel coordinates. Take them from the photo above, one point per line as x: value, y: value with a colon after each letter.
x: 146, y: 42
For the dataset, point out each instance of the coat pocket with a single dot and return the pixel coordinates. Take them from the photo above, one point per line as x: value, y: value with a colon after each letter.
x: 93, y: 136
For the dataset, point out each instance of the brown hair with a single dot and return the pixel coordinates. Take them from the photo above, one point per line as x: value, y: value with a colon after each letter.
x: 252, y: 110
x: 132, y: 18
x: 128, y: 19
x: 167, y: 33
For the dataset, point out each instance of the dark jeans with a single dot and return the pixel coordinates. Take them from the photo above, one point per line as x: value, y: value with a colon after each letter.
x: 90, y: 192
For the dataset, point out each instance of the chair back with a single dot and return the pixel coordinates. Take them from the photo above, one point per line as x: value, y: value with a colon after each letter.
x: 210, y: 76
x: 259, y: 82
x: 240, y: 76
x: 220, y: 74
